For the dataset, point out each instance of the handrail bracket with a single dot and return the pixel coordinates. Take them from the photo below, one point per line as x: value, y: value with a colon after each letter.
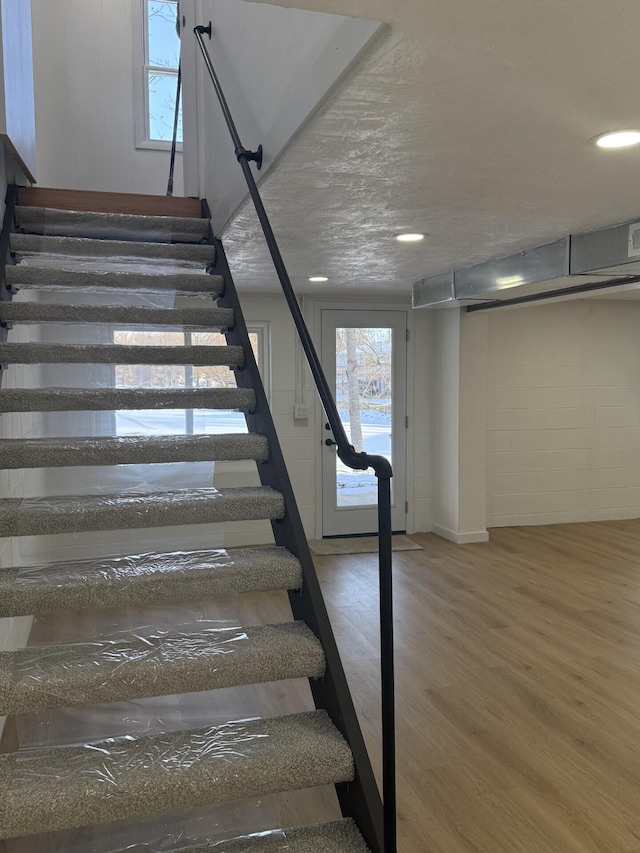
x: 250, y: 155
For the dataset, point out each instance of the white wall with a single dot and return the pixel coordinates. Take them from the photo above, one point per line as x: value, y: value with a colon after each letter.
x: 275, y: 66
x: 446, y: 420
x: 17, y: 111
x: 564, y: 413
x: 85, y: 106
x: 297, y: 438
x: 301, y: 440
x: 421, y: 357
x: 459, y: 406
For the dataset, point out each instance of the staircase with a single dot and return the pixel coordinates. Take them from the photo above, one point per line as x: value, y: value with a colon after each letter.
x: 137, y: 269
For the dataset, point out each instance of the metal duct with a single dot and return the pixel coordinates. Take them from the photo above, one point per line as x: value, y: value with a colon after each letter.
x: 579, y: 263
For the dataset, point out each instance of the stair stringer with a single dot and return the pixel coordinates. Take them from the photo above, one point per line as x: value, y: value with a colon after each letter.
x: 359, y: 799
x: 8, y: 226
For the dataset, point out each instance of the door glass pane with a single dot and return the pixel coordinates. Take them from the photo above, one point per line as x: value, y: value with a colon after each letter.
x: 364, y: 399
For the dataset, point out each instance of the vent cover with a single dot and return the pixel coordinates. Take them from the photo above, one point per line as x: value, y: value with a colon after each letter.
x: 634, y: 240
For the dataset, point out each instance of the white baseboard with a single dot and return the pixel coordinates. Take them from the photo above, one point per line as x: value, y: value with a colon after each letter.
x: 460, y: 538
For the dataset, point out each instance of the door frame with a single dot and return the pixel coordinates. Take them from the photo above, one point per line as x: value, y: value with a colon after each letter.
x: 317, y: 306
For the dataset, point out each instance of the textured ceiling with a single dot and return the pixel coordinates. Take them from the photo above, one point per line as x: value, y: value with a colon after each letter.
x: 469, y: 121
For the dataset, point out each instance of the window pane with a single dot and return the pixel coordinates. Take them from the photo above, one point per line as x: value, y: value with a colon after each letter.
x: 163, y: 48
x: 364, y: 398
x: 175, y: 421
x: 163, y: 88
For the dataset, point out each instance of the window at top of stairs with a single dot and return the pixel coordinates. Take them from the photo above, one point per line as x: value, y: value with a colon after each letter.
x: 161, y: 52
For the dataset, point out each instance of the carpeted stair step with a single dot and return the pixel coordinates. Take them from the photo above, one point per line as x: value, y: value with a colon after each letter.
x: 143, y: 579
x: 111, y: 226
x: 131, y: 450
x: 339, y: 836
x: 44, y: 790
x: 39, y: 353
x: 135, y: 667
x: 23, y: 245
x: 23, y: 276
x: 72, y: 514
x: 115, y: 399
x: 39, y: 312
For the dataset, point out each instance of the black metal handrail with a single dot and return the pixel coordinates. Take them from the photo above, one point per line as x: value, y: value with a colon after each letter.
x: 174, y: 138
x: 346, y: 452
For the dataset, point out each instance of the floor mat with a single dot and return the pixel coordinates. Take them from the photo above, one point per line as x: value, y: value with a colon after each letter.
x: 359, y: 545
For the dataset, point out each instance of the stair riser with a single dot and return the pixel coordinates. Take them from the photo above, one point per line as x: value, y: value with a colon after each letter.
x: 124, y: 451
x: 130, y: 399
x: 117, y: 354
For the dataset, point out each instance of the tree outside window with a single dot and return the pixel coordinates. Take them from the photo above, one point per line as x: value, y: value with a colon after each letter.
x: 162, y: 57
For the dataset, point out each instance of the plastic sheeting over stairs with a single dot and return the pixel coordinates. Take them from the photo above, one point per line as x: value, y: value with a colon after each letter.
x: 89, y: 273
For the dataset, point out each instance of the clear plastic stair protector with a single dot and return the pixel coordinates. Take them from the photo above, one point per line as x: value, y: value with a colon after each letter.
x: 102, y: 738
x: 133, y: 663
x: 198, y: 657
x: 207, y: 829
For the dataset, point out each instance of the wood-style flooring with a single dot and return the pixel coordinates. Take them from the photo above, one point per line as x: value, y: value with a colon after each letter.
x: 518, y: 694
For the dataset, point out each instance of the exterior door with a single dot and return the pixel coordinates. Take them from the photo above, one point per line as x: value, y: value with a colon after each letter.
x: 364, y: 357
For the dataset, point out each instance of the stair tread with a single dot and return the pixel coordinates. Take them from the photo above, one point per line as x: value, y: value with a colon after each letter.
x: 25, y: 276
x: 108, y: 399
x: 86, y: 247
x: 131, y: 510
x: 53, y: 222
x: 109, y: 202
x: 44, y: 790
x: 141, y: 579
x: 50, y: 353
x: 131, y: 449
x: 133, y: 667
x: 39, y: 312
x: 339, y: 836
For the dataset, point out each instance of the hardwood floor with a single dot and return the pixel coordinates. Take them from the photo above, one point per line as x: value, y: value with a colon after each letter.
x: 518, y: 687
x: 518, y: 690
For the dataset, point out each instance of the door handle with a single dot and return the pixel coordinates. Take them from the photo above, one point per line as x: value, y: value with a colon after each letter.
x: 330, y: 442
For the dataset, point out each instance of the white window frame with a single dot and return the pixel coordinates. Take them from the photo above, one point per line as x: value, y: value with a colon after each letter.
x: 141, y: 88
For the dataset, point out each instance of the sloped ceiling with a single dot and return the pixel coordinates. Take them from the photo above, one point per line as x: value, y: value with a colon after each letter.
x: 470, y: 122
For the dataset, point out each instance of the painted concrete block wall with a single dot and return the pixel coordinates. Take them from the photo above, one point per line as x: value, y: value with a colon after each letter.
x: 564, y: 413
x: 85, y: 103
x: 446, y: 419
x: 420, y: 398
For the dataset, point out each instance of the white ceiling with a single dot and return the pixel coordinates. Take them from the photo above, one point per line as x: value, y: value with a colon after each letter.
x: 471, y: 122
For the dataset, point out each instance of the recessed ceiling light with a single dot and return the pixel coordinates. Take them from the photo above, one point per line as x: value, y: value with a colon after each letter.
x: 409, y: 238
x: 318, y: 278
x: 618, y: 139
